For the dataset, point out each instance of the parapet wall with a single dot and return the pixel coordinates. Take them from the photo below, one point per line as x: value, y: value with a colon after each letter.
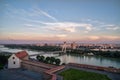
x: 114, y: 70
x: 52, y: 71
x: 47, y: 69
x: 33, y: 67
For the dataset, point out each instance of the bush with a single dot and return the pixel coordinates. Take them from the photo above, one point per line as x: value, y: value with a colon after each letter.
x: 1, y: 66
x: 57, y: 61
x: 63, y: 63
x: 50, y: 60
x: 40, y: 58
x: 47, y: 59
x: 3, y: 60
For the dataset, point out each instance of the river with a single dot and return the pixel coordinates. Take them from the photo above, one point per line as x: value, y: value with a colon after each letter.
x: 76, y: 58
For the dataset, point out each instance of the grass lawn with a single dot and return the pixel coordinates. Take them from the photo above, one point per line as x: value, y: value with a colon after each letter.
x: 74, y: 74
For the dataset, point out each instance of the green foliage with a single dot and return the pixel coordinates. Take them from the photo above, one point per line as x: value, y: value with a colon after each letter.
x: 63, y: 63
x: 57, y: 61
x: 47, y: 60
x: 40, y: 58
x: 50, y: 60
x: 112, y: 54
x: 1, y: 66
x: 3, y: 60
x: 74, y: 74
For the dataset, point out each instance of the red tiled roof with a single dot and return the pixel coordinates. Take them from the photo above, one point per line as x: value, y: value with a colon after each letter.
x: 21, y: 54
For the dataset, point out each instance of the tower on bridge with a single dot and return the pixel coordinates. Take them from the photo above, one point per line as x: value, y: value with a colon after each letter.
x: 64, y: 47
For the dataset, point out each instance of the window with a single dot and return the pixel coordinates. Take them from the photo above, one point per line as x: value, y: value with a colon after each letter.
x: 14, y: 62
x: 13, y: 57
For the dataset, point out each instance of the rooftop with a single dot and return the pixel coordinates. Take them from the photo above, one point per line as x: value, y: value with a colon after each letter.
x: 21, y: 54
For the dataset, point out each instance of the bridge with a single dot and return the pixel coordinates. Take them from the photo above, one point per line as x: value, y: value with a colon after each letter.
x: 63, y: 51
x: 55, y: 52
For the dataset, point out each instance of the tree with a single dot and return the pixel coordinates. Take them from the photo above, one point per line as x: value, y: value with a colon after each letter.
x: 42, y: 58
x: 47, y: 60
x: 52, y: 60
x: 57, y: 61
x: 3, y: 60
x: 63, y: 63
x: 38, y: 57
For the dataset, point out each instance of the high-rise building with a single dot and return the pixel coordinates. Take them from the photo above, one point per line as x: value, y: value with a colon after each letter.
x: 73, y: 45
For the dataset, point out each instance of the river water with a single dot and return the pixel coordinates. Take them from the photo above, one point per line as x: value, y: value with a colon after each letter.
x: 76, y: 58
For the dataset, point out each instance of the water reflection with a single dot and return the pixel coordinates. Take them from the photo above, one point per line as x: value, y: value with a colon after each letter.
x: 76, y: 58
x: 92, y: 60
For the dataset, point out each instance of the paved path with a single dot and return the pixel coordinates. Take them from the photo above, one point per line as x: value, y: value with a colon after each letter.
x: 113, y: 76
x: 19, y: 74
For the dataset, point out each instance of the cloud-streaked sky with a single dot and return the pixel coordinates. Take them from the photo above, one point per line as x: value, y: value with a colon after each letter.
x: 60, y: 20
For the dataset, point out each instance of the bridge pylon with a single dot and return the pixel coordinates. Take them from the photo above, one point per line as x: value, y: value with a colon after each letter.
x: 64, y: 47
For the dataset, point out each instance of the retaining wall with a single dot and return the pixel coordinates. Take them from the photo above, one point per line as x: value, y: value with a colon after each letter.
x: 47, y: 69
x: 114, y: 70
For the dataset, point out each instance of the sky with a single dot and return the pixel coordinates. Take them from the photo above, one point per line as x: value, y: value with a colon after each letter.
x: 60, y: 20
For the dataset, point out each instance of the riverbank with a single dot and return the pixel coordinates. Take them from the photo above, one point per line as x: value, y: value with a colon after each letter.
x: 84, y: 67
x: 86, y: 51
x: 52, y: 72
x: 75, y: 58
x: 110, y: 54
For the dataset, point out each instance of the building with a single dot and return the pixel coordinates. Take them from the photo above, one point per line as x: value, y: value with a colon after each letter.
x: 73, y: 45
x: 14, y: 61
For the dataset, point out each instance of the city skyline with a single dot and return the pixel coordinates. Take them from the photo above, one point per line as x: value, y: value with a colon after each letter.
x: 60, y: 20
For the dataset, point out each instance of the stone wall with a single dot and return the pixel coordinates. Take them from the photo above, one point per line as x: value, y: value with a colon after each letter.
x: 47, y: 69
x: 47, y: 76
x: 36, y: 66
x: 108, y: 69
x: 51, y: 72
x: 33, y: 67
x: 39, y: 67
